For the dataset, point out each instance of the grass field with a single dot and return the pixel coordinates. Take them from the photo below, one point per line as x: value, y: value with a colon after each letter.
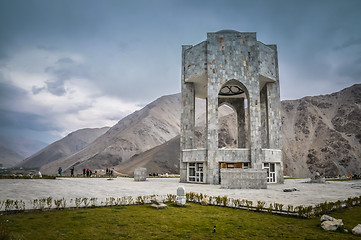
x: 191, y: 222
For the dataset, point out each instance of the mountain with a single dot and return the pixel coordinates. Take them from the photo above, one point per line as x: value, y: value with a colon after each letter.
x: 140, y: 131
x: 22, y: 146
x: 165, y: 157
x: 67, y: 146
x: 323, y: 133
x: 9, y: 158
x: 320, y: 133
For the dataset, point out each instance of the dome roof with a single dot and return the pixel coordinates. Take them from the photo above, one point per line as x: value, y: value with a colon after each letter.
x: 227, y: 31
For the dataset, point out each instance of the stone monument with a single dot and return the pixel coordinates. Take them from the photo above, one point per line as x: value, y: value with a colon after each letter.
x: 140, y: 174
x: 234, y: 69
x: 181, y: 196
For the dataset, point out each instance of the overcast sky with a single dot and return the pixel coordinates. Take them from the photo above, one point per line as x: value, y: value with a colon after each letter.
x: 66, y: 65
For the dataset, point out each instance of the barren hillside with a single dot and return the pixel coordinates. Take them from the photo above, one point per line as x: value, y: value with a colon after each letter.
x: 66, y: 146
x: 140, y: 131
x: 323, y: 133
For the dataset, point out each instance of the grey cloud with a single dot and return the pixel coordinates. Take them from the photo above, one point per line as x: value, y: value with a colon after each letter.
x: 35, y: 90
x: 63, y: 70
x: 9, y: 94
x: 349, y: 43
x: 20, y: 120
x: 56, y: 87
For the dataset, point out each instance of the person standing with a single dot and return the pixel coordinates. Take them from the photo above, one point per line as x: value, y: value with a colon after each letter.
x: 72, y: 171
x: 60, y: 171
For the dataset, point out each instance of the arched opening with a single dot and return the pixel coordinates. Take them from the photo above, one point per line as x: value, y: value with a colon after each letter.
x: 227, y: 126
x: 233, y: 98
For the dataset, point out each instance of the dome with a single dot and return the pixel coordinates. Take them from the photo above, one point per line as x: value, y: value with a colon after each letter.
x: 227, y: 31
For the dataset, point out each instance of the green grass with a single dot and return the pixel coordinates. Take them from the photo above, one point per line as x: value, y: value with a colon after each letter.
x: 191, y: 222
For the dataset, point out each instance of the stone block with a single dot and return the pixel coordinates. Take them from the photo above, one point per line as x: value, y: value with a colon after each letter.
x: 243, y: 179
x: 140, y: 174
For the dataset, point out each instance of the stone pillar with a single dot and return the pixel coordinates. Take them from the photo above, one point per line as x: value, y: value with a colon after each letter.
x: 241, y: 118
x: 212, y: 134
x: 264, y: 117
x: 187, y: 118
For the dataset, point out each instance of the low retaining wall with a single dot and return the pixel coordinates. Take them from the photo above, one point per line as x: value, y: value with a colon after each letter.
x: 243, y: 179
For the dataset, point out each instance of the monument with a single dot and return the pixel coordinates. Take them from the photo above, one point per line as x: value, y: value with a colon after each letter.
x: 234, y: 69
x: 140, y: 174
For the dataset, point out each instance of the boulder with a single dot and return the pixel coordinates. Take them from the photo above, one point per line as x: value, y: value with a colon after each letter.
x: 332, y: 225
x: 157, y: 200
x: 327, y: 218
x: 158, y: 203
x: 357, y: 230
x: 159, y: 206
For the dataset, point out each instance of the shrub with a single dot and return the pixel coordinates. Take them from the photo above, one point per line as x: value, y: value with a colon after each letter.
x: 260, y: 205
x: 57, y: 203
x: 86, y: 202
x: 49, y: 202
x: 224, y: 201
x: 300, y: 211
x: 78, y: 201
x: 290, y: 208
x: 249, y: 204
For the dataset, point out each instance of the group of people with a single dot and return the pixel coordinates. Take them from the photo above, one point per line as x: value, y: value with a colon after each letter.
x: 88, y: 173
x: 109, y: 171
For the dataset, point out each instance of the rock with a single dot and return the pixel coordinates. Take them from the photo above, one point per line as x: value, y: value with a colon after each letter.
x: 159, y: 206
x: 205, y: 201
x: 157, y: 200
x: 140, y: 174
x: 332, y: 225
x: 290, y: 190
x: 316, y: 178
x: 181, y: 196
x: 357, y: 230
x: 327, y: 218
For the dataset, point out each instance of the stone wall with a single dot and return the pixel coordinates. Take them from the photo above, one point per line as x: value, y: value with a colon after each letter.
x: 243, y: 179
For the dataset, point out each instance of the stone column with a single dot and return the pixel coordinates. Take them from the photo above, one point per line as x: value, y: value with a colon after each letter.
x: 187, y: 118
x: 241, y: 121
x: 212, y: 134
x: 264, y: 117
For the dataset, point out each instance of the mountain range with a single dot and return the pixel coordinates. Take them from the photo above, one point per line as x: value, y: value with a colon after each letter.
x: 320, y: 133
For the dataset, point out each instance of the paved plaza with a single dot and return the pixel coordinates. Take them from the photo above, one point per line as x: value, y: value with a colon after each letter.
x: 101, y: 188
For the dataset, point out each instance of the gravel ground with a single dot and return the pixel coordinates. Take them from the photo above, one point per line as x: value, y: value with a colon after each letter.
x: 101, y: 188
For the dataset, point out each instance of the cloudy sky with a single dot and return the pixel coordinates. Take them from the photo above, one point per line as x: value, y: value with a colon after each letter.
x: 71, y: 64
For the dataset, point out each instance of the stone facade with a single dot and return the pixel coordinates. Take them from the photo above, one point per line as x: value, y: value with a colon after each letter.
x: 235, y: 69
